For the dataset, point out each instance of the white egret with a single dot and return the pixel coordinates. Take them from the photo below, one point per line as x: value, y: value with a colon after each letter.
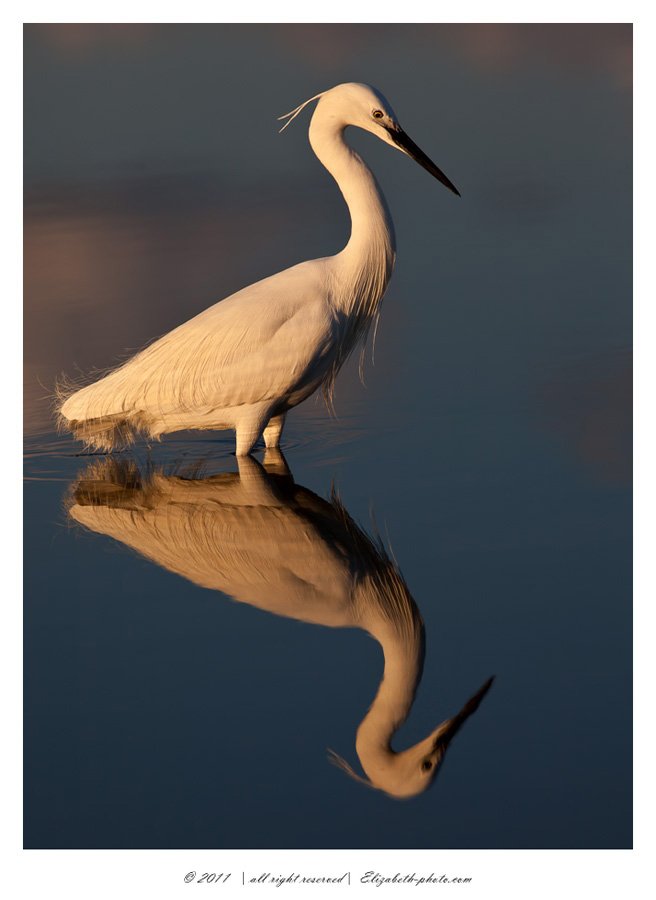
x: 275, y: 545
x: 247, y: 360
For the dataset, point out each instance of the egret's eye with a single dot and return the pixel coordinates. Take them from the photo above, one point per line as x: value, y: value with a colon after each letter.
x: 427, y: 765
x: 377, y: 114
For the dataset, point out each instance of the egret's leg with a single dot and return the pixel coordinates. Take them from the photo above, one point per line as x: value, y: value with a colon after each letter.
x: 273, y: 431
x: 250, y: 429
x: 250, y: 470
x: 256, y: 482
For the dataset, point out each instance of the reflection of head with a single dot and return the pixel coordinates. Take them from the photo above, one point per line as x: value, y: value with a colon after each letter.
x: 408, y: 772
x: 268, y: 542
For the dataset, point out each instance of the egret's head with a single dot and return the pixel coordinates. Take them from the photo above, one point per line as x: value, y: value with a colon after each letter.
x: 359, y: 105
x: 412, y: 771
x: 365, y: 107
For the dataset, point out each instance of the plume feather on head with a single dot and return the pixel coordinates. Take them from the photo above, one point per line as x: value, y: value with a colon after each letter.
x: 292, y: 115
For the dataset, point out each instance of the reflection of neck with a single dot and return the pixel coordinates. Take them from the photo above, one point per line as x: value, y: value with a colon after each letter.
x: 403, y: 649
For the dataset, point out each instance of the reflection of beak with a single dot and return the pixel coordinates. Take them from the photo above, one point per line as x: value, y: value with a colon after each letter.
x: 403, y: 142
x: 445, y: 732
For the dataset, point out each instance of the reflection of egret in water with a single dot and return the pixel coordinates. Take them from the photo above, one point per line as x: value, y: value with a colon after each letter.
x: 270, y: 543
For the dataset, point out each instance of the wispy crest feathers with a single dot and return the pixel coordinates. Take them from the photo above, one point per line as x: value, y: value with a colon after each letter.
x: 292, y: 115
x: 342, y: 764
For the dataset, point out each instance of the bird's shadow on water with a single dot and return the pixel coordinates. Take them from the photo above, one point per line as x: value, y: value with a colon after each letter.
x: 260, y: 538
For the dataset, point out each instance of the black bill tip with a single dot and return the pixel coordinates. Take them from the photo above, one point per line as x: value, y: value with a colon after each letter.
x: 402, y: 140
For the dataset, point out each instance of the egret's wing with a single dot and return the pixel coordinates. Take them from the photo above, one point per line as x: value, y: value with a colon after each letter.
x: 254, y: 346
x: 215, y: 534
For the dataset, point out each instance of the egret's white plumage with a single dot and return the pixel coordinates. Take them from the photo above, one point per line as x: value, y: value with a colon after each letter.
x: 244, y: 362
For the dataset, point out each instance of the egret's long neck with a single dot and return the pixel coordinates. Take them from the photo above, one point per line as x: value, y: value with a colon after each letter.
x: 366, y: 262
x: 402, y: 640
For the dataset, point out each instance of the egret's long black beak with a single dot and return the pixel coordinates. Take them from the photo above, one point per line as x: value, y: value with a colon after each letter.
x: 402, y: 140
x: 448, y: 730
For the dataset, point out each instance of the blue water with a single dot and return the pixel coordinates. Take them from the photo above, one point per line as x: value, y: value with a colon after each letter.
x: 490, y: 448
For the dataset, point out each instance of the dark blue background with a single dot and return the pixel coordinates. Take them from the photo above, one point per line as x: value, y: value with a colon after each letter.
x: 492, y: 441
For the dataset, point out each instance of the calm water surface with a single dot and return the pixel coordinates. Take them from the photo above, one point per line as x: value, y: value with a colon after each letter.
x: 490, y: 449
